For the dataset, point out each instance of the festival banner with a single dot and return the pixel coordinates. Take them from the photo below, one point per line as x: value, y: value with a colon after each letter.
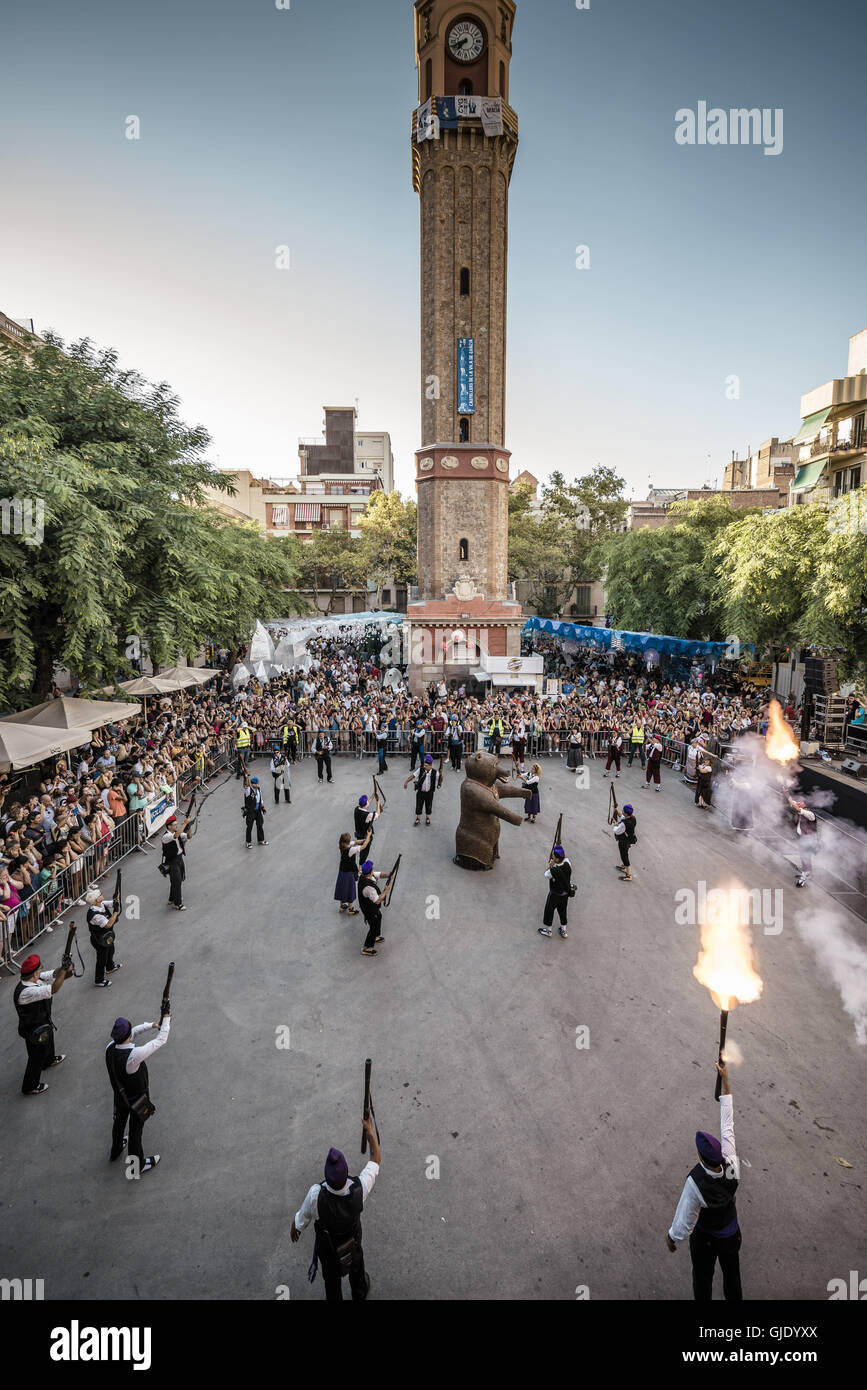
x: 156, y: 813
x: 466, y: 376
x: 492, y: 115
x: 425, y: 123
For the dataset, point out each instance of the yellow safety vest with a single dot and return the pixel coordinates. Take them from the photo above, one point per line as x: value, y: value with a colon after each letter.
x: 637, y: 734
x: 243, y: 739
x: 498, y: 725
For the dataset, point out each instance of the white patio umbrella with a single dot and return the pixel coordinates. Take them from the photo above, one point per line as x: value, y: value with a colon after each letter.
x: 24, y: 745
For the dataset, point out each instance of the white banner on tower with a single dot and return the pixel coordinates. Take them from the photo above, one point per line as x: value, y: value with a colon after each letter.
x: 425, y: 122
x: 492, y: 115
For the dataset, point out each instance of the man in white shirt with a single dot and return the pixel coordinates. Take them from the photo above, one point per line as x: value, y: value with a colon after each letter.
x: 335, y: 1206
x: 706, y: 1212
x: 127, y: 1071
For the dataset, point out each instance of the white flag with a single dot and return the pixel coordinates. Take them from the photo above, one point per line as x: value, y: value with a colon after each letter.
x: 492, y: 115
x: 424, y: 124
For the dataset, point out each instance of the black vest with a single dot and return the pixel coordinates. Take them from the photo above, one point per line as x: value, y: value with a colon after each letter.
x: 629, y: 827
x: 720, y: 1212
x: 171, y: 850
x: 99, y: 936
x: 348, y: 863
x: 340, y: 1217
x: 561, y: 879
x: 372, y: 912
x: 361, y: 822
x: 31, y: 1015
x: 135, y: 1084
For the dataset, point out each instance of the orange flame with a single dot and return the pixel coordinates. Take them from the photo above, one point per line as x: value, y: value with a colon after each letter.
x: 725, y: 960
x: 780, y: 742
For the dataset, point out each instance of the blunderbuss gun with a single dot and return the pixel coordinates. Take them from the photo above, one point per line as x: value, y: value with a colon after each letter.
x: 723, y: 1025
x: 440, y: 775
x: 558, y: 833
x: 66, y: 959
x: 392, y: 880
x: 117, y: 897
x: 379, y: 795
x: 165, y: 1006
x: 613, y: 808
x: 368, y: 1112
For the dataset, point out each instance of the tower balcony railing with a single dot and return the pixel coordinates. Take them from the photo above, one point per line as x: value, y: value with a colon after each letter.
x: 510, y: 120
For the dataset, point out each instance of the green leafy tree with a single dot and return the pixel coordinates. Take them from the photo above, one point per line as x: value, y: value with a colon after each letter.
x: 330, y: 561
x: 129, y: 557
x: 669, y: 580
x: 388, y: 541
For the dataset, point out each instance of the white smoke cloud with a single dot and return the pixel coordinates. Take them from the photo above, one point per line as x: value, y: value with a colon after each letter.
x: 842, y: 958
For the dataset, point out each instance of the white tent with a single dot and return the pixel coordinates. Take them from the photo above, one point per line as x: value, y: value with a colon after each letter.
x: 66, y: 712
x: 261, y: 646
x: 23, y: 745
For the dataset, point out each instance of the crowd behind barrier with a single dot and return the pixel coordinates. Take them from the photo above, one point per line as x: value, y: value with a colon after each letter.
x: 42, y: 909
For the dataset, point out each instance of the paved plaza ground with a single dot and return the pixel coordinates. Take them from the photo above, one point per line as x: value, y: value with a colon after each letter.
x: 559, y: 1167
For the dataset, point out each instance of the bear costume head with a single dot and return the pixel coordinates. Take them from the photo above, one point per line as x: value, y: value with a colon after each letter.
x: 485, y: 768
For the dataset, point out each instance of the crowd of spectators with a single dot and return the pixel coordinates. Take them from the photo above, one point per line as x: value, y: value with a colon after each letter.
x: 61, y: 827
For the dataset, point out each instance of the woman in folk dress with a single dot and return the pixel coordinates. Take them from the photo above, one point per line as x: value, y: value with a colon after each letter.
x: 530, y: 783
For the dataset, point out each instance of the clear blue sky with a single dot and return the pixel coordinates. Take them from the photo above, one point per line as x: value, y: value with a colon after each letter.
x: 263, y: 127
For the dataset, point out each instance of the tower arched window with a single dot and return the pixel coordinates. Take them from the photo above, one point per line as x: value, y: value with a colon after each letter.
x: 466, y: 88
x: 465, y: 430
x: 465, y: 280
x: 464, y: 551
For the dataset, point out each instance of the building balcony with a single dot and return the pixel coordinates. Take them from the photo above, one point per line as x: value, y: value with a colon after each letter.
x: 837, y: 451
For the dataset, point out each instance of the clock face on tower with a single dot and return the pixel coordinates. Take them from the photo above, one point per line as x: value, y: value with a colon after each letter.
x: 466, y: 41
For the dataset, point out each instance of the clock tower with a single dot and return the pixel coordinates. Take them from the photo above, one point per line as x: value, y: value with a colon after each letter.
x: 464, y: 141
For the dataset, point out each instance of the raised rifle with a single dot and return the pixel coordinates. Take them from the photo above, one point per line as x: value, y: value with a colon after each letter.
x: 369, y: 1112
x: 117, y: 897
x: 613, y: 808
x: 165, y: 1006
x: 442, y: 756
x: 558, y: 833
x: 66, y: 958
x: 392, y: 879
x: 379, y: 795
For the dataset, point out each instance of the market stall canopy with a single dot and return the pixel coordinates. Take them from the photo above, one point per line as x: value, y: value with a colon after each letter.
x: 187, y: 675
x: 23, y: 745
x: 67, y: 712
x: 148, y: 685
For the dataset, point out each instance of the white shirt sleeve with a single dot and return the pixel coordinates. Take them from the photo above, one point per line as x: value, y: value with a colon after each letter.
x: 620, y: 828
x: 727, y: 1137
x: 688, y: 1211
x: 141, y: 1054
x: 367, y: 1177
x: 307, y: 1211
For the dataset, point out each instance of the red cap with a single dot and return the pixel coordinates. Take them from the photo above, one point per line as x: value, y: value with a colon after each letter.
x: 29, y: 965
x: 170, y: 820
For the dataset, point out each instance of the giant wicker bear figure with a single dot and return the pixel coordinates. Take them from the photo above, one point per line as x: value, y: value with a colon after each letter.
x: 486, y: 782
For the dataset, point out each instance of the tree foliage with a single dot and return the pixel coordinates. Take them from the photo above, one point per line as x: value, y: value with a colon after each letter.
x: 128, y: 554
x: 388, y: 540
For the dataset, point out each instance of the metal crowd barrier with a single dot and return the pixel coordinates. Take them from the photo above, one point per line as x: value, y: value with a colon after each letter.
x: 42, y: 910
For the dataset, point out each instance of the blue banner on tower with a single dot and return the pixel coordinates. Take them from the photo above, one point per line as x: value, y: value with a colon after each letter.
x: 447, y: 113
x: 466, y: 376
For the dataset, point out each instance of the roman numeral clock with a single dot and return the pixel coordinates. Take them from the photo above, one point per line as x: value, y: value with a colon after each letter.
x: 462, y: 174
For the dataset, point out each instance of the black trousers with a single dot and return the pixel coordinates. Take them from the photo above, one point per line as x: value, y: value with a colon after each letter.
x: 456, y: 752
x: 374, y: 928
x: 424, y: 801
x: 623, y: 846
x: 255, y: 818
x: 122, y: 1113
x: 416, y: 751
x: 177, y: 874
x: 613, y: 757
x: 323, y: 759
x: 332, y: 1279
x: 292, y: 749
x: 39, y: 1057
x: 241, y: 756
x: 558, y: 903
x: 705, y: 1251
x: 104, y: 960
x: 286, y: 796
x: 496, y: 741
x: 519, y: 746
